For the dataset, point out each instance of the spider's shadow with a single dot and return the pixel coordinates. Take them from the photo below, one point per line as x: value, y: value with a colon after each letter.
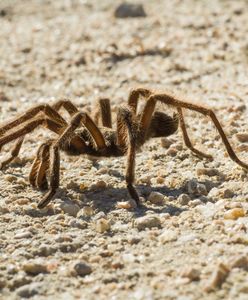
x: 106, y: 199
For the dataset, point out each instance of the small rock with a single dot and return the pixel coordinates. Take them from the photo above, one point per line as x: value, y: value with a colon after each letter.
x: 201, y: 189
x: 207, y: 171
x: 29, y: 290
x: 191, y: 273
x: 81, y: 269
x: 69, y: 208
x: 172, y: 151
x: 184, y: 199
x: 240, y: 262
x: 234, y: 214
x: 166, y: 143
x: 3, y: 283
x: 100, y: 184
x: 160, y: 180
x: 168, y: 235
x: 46, y: 250
x: 195, y: 202
x: 102, y: 225
x: 4, y: 209
x: 156, y: 198
x: 147, y: 222
x: 86, y: 211
x: 129, y: 10
x: 23, y: 235
x: 227, y: 193
x: 126, y: 204
x: 242, y: 137
x: 218, y: 277
x: 34, y: 267
x: 145, y: 179
x: 77, y: 224
x: 103, y: 170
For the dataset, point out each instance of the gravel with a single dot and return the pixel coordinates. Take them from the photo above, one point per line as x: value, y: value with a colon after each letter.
x: 188, y: 239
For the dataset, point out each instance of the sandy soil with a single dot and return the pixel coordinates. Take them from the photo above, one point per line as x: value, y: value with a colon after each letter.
x: 189, y: 239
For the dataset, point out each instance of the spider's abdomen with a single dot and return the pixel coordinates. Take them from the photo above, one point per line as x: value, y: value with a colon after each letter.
x: 163, y: 125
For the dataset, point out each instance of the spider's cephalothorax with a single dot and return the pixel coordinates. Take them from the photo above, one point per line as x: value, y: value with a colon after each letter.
x: 96, y: 136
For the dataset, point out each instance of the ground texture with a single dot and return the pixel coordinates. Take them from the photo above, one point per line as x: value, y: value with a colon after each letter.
x: 189, y: 240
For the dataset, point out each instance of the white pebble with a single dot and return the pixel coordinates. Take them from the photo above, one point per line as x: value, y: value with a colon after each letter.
x: 102, y: 225
x: 184, y: 199
x: 148, y: 221
x: 168, y: 235
x: 156, y: 198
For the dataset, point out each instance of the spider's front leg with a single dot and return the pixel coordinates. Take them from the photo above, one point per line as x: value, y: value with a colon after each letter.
x: 54, y: 175
x: 127, y: 129
x: 39, y: 167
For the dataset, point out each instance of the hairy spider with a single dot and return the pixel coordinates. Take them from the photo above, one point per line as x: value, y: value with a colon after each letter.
x: 83, y: 136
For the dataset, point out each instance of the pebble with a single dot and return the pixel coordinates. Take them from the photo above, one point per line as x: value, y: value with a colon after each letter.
x: 240, y: 262
x: 80, y: 269
x: 184, y: 199
x: 35, y: 267
x: 23, y: 235
x: 4, y: 209
x: 86, y: 211
x: 102, y: 225
x: 207, y: 171
x: 129, y: 10
x: 46, y: 250
x: 29, y: 290
x: 218, y: 277
x: 160, y: 180
x: 100, y: 184
x: 156, y: 198
x: 166, y: 143
x: 70, y: 208
x: 242, y: 137
x: 3, y: 283
x: 195, y: 202
x: 126, y: 204
x: 147, y: 222
x: 168, y: 235
x: 234, y: 214
x: 103, y: 170
x: 77, y: 224
x: 191, y: 273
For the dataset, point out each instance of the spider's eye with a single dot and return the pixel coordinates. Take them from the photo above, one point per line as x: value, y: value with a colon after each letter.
x: 163, y: 125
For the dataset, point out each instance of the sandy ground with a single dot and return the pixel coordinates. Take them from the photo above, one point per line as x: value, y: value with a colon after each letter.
x: 189, y: 239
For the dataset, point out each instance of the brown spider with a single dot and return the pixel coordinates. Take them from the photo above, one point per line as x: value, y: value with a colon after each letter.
x: 132, y: 131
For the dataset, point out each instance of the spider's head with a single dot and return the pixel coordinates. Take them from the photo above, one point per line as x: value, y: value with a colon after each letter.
x: 163, y: 125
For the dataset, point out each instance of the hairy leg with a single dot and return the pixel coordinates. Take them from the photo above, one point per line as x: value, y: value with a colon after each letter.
x: 37, y: 175
x: 171, y: 99
x: 102, y: 113
x: 186, y: 137
x: 134, y: 96
x: 127, y: 133
x: 54, y: 176
x: 30, y: 114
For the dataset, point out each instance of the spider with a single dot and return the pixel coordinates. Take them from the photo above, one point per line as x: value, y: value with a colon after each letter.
x: 84, y: 135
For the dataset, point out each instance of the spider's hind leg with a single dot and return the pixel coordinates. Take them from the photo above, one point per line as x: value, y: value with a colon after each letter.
x: 186, y: 139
